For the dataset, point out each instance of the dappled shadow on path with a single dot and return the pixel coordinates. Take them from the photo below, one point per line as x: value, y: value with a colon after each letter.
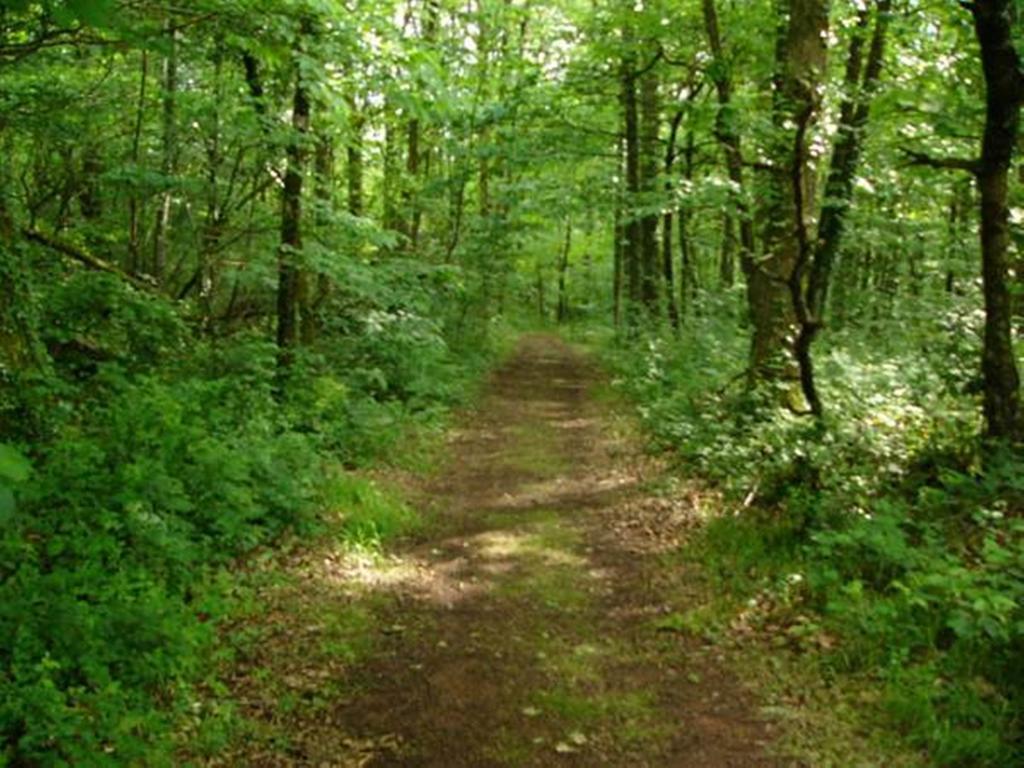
x: 523, y: 629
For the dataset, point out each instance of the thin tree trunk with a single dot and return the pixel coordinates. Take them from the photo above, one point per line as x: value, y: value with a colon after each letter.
x: 727, y: 258
x: 650, y: 123
x: 170, y: 152
x: 809, y: 302
x: 409, y: 191
x: 67, y: 188
x: 391, y: 215
x: 618, y: 237
x: 133, y: 204
x: 213, y: 225
x: 563, y: 269
x: 631, y: 246
x: 539, y: 279
x: 289, y: 256
x: 667, y: 223
x: 689, y: 282
x: 728, y: 135
x: 323, y: 174
x: 90, y: 195
x: 853, y: 117
x: 354, y: 168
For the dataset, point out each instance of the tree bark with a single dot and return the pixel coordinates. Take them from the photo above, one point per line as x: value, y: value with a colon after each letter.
x: 389, y: 183
x: 216, y: 216
x: 689, y: 282
x: 539, y: 283
x: 409, y: 189
x: 810, y: 301
x: 354, y: 168
x: 134, y: 205
x: 169, y: 162
x: 631, y: 245
x: 727, y: 256
x: 563, y: 269
x: 650, y: 124
x: 788, y: 194
x: 618, y: 235
x: 853, y: 117
x: 728, y: 135
x: 667, y: 220
x: 1004, y: 91
x: 323, y: 175
x: 289, y: 254
x: 90, y: 195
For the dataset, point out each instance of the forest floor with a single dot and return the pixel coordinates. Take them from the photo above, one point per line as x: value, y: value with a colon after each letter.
x: 527, y: 624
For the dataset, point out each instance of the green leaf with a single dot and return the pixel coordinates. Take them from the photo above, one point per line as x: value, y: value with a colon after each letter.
x: 7, y: 504
x: 14, y: 467
x: 96, y: 13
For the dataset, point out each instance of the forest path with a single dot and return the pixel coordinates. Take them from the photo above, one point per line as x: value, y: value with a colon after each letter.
x: 527, y: 626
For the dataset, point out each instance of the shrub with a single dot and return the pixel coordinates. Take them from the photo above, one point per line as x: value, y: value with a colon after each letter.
x: 884, y: 521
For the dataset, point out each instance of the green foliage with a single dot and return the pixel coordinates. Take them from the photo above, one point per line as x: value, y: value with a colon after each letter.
x: 880, y: 524
x: 161, y: 460
x: 151, y: 430
x: 369, y: 515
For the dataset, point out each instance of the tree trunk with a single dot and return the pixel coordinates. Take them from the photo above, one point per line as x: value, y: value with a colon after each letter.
x: 134, y: 205
x: 409, y: 190
x: 390, y: 182
x: 169, y: 163
x: 853, y: 117
x: 563, y: 269
x: 289, y: 255
x: 650, y: 124
x: 689, y: 282
x: 809, y: 303
x: 90, y: 195
x: 727, y: 256
x: 354, y: 168
x: 323, y: 174
x: 618, y: 237
x: 667, y: 223
x: 1004, y: 90
x: 213, y: 224
x: 631, y: 245
x: 539, y: 280
x: 788, y: 196
x: 728, y: 136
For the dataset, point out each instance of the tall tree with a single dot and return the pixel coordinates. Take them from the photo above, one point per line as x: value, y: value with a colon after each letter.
x: 728, y: 136
x: 169, y: 151
x: 800, y: 57
x: 631, y: 253
x: 650, y: 124
x: 289, y: 261
x: 1004, y: 91
x: 810, y: 295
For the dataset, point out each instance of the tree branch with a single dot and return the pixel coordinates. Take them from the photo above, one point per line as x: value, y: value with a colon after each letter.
x: 948, y: 163
x: 84, y: 257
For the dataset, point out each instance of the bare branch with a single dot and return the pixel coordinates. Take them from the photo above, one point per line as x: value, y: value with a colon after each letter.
x: 84, y: 257
x: 947, y: 163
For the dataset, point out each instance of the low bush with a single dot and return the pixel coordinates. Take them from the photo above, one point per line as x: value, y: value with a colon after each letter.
x: 139, y: 462
x: 884, y: 530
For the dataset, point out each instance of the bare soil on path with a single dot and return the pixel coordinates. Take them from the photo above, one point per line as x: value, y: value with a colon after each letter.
x: 526, y: 626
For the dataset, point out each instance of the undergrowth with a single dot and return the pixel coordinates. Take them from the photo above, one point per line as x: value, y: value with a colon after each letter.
x: 138, y: 462
x: 886, y: 541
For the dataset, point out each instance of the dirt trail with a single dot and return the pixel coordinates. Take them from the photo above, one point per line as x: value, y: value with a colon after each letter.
x: 527, y: 628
